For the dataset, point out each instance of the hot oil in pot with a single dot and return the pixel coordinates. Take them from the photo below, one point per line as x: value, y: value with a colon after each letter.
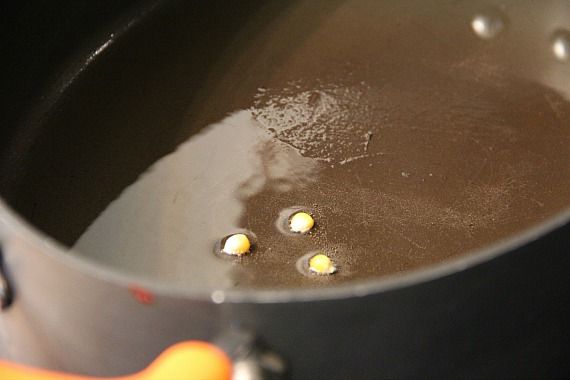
x: 407, y: 152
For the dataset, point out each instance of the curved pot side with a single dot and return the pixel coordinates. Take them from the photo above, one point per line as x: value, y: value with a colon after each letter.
x: 509, y: 316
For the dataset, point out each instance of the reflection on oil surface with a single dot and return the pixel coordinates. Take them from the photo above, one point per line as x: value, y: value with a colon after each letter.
x: 410, y: 141
x: 167, y: 223
x: 389, y: 190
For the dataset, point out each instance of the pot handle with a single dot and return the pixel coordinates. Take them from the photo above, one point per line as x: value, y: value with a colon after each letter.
x: 192, y: 360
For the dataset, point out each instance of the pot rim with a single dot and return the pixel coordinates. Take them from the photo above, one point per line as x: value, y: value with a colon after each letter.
x: 12, y: 222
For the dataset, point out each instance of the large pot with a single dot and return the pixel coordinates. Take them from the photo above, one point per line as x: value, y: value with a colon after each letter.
x: 501, y: 311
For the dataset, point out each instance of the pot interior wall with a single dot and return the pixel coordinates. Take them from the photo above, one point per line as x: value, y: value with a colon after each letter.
x: 412, y: 136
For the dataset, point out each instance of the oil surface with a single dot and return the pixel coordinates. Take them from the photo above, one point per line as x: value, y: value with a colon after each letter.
x: 408, y: 149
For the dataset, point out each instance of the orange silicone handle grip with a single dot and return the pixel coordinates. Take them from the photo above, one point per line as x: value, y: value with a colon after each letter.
x: 193, y: 360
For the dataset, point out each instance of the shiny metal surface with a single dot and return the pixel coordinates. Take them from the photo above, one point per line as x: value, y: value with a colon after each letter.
x: 5, y: 290
x: 472, y: 317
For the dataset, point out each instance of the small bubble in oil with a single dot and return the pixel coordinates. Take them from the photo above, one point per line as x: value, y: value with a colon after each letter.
x: 561, y: 45
x: 488, y: 25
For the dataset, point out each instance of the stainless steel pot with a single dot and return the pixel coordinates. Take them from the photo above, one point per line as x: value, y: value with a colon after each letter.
x: 501, y: 311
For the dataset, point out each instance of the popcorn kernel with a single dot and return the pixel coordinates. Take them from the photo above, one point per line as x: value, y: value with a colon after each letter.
x: 301, y: 222
x: 321, y: 264
x: 237, y: 244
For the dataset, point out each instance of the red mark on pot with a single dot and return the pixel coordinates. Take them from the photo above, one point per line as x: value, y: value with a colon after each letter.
x: 142, y: 295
